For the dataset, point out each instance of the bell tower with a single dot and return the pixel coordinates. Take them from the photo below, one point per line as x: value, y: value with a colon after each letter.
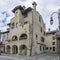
x: 18, y: 14
x: 34, y: 4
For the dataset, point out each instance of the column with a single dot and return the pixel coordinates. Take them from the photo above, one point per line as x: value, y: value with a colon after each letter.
x: 18, y: 51
x: 11, y: 50
x: 28, y: 52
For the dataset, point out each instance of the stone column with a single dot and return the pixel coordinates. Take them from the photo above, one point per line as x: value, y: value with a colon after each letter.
x: 11, y: 50
x: 18, y: 51
x: 28, y: 52
x: 5, y: 50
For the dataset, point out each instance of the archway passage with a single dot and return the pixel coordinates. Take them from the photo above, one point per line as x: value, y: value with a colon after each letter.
x: 14, y: 49
x: 8, y: 49
x: 23, y: 50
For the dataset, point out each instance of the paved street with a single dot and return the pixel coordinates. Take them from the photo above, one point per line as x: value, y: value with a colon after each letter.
x: 39, y: 57
x: 9, y: 58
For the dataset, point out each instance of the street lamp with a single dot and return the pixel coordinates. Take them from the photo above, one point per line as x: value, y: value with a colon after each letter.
x: 51, y: 18
x: 0, y: 42
x: 51, y: 21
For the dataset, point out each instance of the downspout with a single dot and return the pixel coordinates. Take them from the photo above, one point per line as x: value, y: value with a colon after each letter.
x: 32, y: 37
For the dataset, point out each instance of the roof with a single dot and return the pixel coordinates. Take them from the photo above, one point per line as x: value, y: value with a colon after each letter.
x: 26, y: 10
x: 17, y: 7
x: 34, y: 3
x: 55, y: 31
x: 8, y: 23
x: 23, y: 10
x: 58, y: 33
x: 4, y: 32
x: 51, y: 32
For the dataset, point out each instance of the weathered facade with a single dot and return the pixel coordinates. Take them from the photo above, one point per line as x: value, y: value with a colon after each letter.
x: 26, y: 32
x: 53, y: 41
x: 58, y: 41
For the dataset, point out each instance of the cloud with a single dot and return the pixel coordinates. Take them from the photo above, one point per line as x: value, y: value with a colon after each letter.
x: 45, y: 8
x: 3, y: 20
x: 23, y: 0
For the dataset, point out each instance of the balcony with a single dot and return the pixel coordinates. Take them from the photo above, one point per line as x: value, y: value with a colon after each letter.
x: 8, y: 40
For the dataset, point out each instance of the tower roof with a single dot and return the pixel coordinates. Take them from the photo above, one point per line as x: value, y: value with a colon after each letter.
x: 34, y: 3
x: 17, y: 7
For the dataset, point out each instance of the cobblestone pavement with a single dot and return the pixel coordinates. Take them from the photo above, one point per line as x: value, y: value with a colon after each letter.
x: 45, y: 56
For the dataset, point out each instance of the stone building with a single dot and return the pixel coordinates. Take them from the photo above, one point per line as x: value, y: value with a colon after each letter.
x: 52, y: 41
x: 3, y: 38
x: 26, y: 32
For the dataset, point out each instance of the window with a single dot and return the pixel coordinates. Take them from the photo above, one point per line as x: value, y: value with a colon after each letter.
x: 44, y: 32
x: 53, y: 33
x: 41, y: 29
x: 3, y: 37
x: 53, y: 43
x: 42, y: 39
x: 39, y: 19
x: 43, y: 47
x: 26, y: 22
x: 25, y: 15
x: 53, y: 48
x: 40, y: 48
x: 16, y: 25
x: 36, y: 36
x: 12, y: 25
x: 53, y: 38
x: 46, y: 48
x: 50, y: 48
x: 44, y: 26
x: 14, y: 38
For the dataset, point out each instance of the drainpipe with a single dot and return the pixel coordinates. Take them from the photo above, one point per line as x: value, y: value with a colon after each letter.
x: 33, y: 18
x: 32, y: 37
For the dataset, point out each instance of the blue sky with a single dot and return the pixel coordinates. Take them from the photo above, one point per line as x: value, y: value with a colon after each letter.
x: 45, y: 8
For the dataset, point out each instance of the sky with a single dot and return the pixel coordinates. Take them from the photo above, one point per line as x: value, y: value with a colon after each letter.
x: 45, y: 8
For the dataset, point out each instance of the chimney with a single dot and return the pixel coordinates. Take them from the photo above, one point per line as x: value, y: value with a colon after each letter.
x: 49, y: 29
x: 34, y: 5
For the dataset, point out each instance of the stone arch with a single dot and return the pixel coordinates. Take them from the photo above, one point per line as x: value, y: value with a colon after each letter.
x: 23, y: 36
x: 23, y: 50
x: 14, y: 49
x: 14, y: 38
x: 8, y: 48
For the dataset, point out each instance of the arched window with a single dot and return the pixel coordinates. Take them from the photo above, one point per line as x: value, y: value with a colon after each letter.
x: 23, y: 36
x: 14, y: 38
x: 12, y: 25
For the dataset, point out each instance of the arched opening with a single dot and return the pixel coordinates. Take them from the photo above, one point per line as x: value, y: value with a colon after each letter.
x: 23, y: 50
x: 8, y: 49
x: 14, y: 38
x: 23, y: 37
x: 14, y: 49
